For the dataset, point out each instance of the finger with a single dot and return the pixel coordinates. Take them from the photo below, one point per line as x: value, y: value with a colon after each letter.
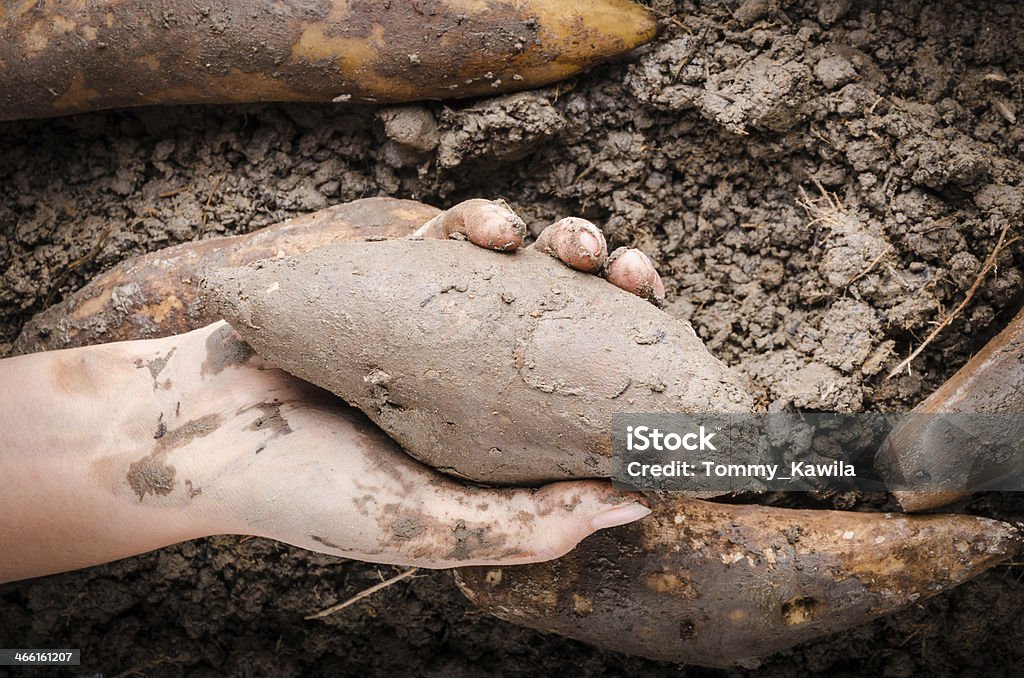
x: 577, y: 242
x: 633, y: 271
x: 487, y: 223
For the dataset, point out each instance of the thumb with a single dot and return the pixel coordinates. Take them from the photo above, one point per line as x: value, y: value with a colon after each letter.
x: 474, y: 526
x: 444, y: 524
x: 336, y: 484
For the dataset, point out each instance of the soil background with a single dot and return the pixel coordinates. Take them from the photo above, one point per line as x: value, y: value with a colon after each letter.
x: 819, y: 182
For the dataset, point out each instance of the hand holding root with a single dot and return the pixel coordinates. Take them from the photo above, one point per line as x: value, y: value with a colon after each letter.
x: 287, y: 461
x: 373, y: 502
x: 206, y: 437
x: 696, y: 582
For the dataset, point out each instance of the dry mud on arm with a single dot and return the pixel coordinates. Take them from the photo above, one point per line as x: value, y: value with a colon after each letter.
x: 501, y: 368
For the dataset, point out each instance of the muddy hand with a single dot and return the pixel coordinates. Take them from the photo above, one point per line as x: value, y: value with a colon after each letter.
x: 328, y: 480
x: 163, y: 440
x: 376, y: 503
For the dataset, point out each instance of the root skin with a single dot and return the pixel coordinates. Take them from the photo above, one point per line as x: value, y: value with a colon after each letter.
x: 83, y: 55
x: 992, y: 382
x: 156, y: 295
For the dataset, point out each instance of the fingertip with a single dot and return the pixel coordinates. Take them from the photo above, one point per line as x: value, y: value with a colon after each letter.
x: 619, y: 515
x: 658, y: 284
x: 590, y: 242
x: 633, y: 271
x: 606, y: 509
x: 493, y: 224
x: 659, y: 289
x: 577, y: 242
x: 595, y: 504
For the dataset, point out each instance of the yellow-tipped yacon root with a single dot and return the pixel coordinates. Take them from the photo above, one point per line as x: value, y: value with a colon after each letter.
x: 59, y: 57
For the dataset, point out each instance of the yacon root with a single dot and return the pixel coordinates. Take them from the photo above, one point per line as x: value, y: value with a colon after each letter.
x: 502, y: 368
x: 721, y: 585
x: 944, y: 450
x: 157, y: 294
x: 70, y: 56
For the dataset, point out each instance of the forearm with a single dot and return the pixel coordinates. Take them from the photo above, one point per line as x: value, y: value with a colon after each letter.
x: 97, y: 455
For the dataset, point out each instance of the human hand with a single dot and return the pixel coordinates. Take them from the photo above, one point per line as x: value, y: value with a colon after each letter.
x: 328, y: 480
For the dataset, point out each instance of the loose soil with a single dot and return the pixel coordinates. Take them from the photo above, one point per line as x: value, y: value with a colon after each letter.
x: 819, y: 182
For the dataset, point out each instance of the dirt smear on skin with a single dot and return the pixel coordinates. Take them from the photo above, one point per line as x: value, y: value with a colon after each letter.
x: 407, y: 528
x: 155, y: 367
x: 152, y: 474
x: 471, y: 542
x: 224, y: 348
x: 270, y: 419
x: 326, y: 542
x: 696, y: 151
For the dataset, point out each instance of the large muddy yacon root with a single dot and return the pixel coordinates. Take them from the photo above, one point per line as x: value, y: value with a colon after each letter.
x: 500, y: 368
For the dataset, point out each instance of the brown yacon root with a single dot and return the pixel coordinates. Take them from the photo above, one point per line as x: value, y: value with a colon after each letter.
x: 156, y: 295
x: 128, y: 303
x: 992, y: 382
x: 500, y: 368
x: 720, y: 585
x: 59, y: 58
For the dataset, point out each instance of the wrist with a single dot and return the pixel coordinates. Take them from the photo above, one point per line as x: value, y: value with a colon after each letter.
x: 185, y: 436
x: 154, y: 466
x: 118, y: 449
x: 193, y: 448
x: 84, y: 420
